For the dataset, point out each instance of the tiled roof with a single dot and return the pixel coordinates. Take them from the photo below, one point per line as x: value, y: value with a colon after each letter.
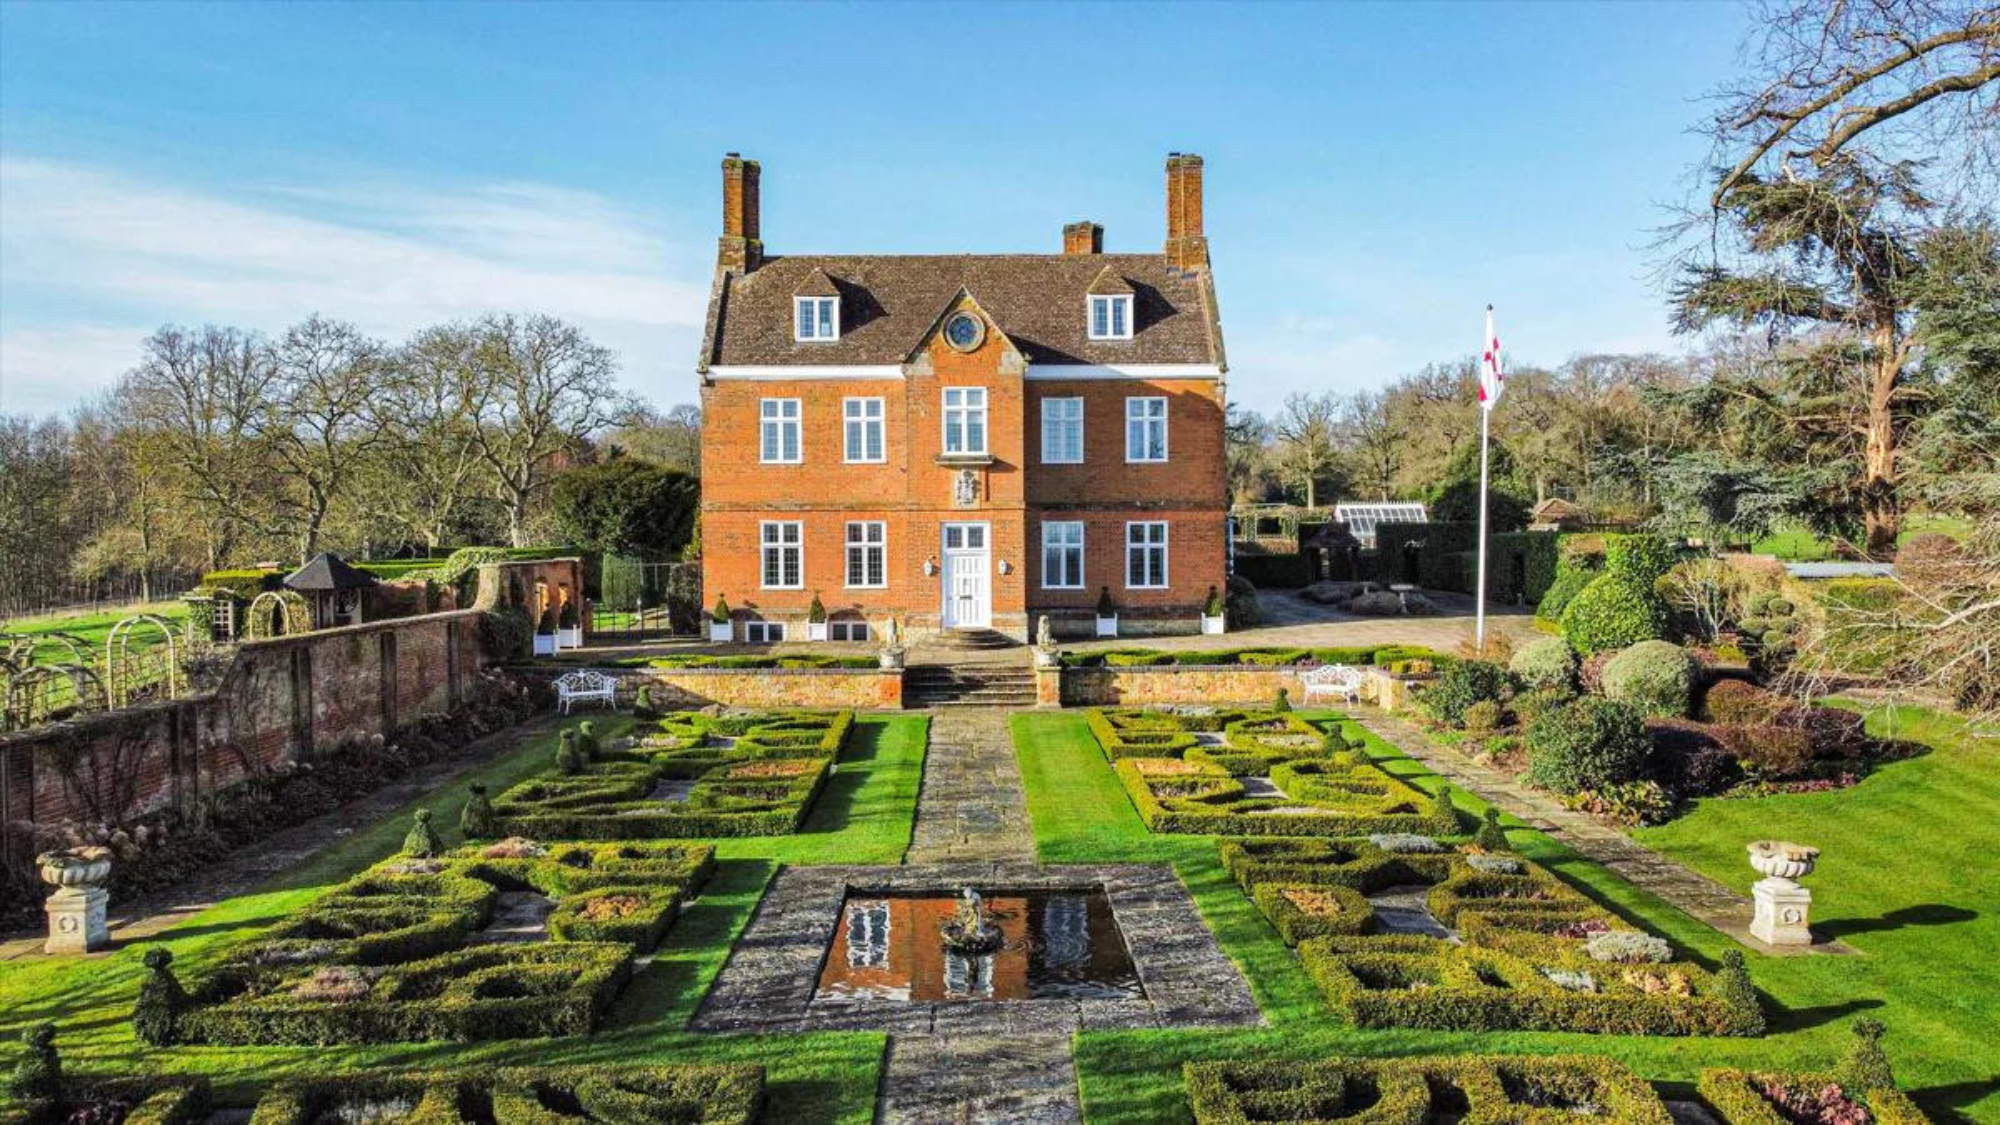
x: 888, y: 302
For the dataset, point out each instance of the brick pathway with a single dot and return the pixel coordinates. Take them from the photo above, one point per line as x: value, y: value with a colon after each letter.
x: 1723, y: 908
x: 258, y: 862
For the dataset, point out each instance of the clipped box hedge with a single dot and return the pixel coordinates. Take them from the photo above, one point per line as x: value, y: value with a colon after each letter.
x: 1357, y: 864
x: 754, y: 775
x: 399, y: 938
x: 625, y: 1095
x: 148, y: 1100
x: 1509, y: 1090
x: 1300, y: 911
x: 1736, y: 1099
x: 1281, y: 657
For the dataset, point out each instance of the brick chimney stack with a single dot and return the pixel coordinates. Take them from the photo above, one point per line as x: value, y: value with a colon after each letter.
x: 741, y: 248
x: 1083, y: 238
x: 1187, y: 247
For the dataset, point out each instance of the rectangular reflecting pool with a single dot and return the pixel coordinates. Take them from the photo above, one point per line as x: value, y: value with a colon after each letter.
x: 1060, y: 944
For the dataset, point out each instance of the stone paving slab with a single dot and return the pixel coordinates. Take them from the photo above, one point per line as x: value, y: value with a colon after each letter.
x: 1020, y: 1078
x: 1721, y: 907
x: 769, y: 983
x: 972, y: 805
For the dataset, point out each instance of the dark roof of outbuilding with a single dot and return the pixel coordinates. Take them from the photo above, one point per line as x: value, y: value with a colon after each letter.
x: 328, y: 572
x: 888, y: 302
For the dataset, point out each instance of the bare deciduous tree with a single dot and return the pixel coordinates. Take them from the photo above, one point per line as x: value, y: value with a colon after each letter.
x: 322, y: 416
x: 1306, y: 446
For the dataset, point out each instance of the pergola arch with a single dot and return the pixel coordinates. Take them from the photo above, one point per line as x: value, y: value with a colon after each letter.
x: 277, y: 613
x: 34, y: 693
x: 122, y: 667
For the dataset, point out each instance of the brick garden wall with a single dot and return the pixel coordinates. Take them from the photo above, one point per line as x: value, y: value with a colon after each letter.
x: 818, y: 688
x: 1140, y: 687
x: 281, y: 700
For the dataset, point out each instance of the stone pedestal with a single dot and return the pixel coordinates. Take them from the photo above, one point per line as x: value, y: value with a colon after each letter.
x: 77, y: 920
x: 1783, y: 909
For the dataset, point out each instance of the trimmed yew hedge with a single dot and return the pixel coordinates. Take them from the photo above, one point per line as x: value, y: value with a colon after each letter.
x: 1511, y: 1090
x: 1379, y: 655
x: 1735, y: 1097
x: 395, y: 937
x: 1356, y: 800
x: 149, y: 1100
x: 742, y: 786
x: 714, y: 1094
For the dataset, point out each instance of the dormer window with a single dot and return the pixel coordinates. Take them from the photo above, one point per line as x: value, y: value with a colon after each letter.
x: 815, y: 319
x: 1111, y: 317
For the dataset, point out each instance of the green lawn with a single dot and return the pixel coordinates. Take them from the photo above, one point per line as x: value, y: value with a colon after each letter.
x: 863, y: 816
x: 1081, y: 815
x: 95, y: 628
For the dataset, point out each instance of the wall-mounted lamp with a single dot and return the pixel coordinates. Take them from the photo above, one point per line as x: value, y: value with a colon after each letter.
x: 930, y: 568
x: 1006, y: 567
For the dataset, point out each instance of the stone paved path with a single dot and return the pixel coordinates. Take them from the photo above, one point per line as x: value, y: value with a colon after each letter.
x: 1721, y: 907
x: 272, y: 856
x: 973, y: 808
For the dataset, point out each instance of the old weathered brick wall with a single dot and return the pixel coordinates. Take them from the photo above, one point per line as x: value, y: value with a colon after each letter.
x: 819, y: 688
x: 1140, y: 687
x: 281, y: 700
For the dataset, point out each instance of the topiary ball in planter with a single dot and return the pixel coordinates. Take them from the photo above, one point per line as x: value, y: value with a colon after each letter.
x: 422, y: 841
x: 1657, y: 677
x: 1588, y: 744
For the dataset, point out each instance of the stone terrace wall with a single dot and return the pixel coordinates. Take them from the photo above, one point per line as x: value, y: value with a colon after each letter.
x: 282, y: 700
x: 838, y: 689
x: 1169, y: 683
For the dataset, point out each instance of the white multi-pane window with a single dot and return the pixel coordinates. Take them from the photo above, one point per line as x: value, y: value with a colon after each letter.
x: 965, y: 420
x: 783, y: 543
x: 1062, y: 556
x: 778, y: 431
x: 1111, y: 317
x: 1145, y: 429
x: 863, y: 423
x: 1145, y: 555
x: 867, y: 553
x: 763, y: 632
x: 847, y: 630
x: 816, y: 318
x: 1062, y: 431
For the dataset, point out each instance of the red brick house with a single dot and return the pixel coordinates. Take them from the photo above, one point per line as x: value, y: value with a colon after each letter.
x: 963, y: 441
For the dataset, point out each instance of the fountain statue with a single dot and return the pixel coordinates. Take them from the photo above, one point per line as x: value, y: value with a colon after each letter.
x: 968, y: 932
x: 1782, y: 905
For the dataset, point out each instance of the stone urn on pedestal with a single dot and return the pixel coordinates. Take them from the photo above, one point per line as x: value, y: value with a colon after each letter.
x: 1782, y: 906
x: 77, y: 909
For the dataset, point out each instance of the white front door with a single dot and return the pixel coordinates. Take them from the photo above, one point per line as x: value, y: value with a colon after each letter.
x: 968, y: 576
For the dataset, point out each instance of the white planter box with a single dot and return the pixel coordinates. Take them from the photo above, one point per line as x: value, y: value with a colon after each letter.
x: 721, y: 632
x: 1211, y: 626
x: 570, y: 638
x: 816, y: 630
x: 1107, y: 626
x: 545, y: 644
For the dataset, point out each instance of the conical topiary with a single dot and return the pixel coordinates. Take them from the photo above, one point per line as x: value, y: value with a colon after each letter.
x: 1283, y: 701
x: 1490, y: 837
x: 1441, y: 808
x: 476, y: 820
x: 37, y: 1079
x: 157, y: 1015
x: 1866, y: 1066
x: 569, y: 760
x: 586, y: 741
x: 642, y: 705
x: 423, y: 841
x: 1736, y: 991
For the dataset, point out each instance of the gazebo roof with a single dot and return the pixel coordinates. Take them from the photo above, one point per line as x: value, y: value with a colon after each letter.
x: 328, y: 572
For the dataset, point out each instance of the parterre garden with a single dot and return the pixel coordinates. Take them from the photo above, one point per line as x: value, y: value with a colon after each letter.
x: 379, y: 981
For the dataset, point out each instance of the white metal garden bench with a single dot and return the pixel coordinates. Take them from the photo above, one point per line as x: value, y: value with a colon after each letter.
x: 572, y: 687
x: 1333, y: 679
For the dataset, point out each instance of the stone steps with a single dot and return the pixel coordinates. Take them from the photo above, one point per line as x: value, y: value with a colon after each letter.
x: 968, y: 685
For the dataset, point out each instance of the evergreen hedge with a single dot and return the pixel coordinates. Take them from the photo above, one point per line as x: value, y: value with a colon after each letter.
x: 1411, y: 1091
x: 729, y: 1094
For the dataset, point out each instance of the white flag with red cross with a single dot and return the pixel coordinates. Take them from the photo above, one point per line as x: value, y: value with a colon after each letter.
x: 1492, y: 376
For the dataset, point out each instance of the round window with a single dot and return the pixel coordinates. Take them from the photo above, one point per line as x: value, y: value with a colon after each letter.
x: 964, y: 331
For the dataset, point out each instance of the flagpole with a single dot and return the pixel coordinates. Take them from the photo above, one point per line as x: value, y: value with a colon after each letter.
x: 1479, y: 597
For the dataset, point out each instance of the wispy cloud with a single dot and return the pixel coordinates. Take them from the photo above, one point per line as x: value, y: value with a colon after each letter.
x: 134, y: 253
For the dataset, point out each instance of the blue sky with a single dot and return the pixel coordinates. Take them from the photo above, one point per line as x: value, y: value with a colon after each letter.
x: 1375, y: 173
